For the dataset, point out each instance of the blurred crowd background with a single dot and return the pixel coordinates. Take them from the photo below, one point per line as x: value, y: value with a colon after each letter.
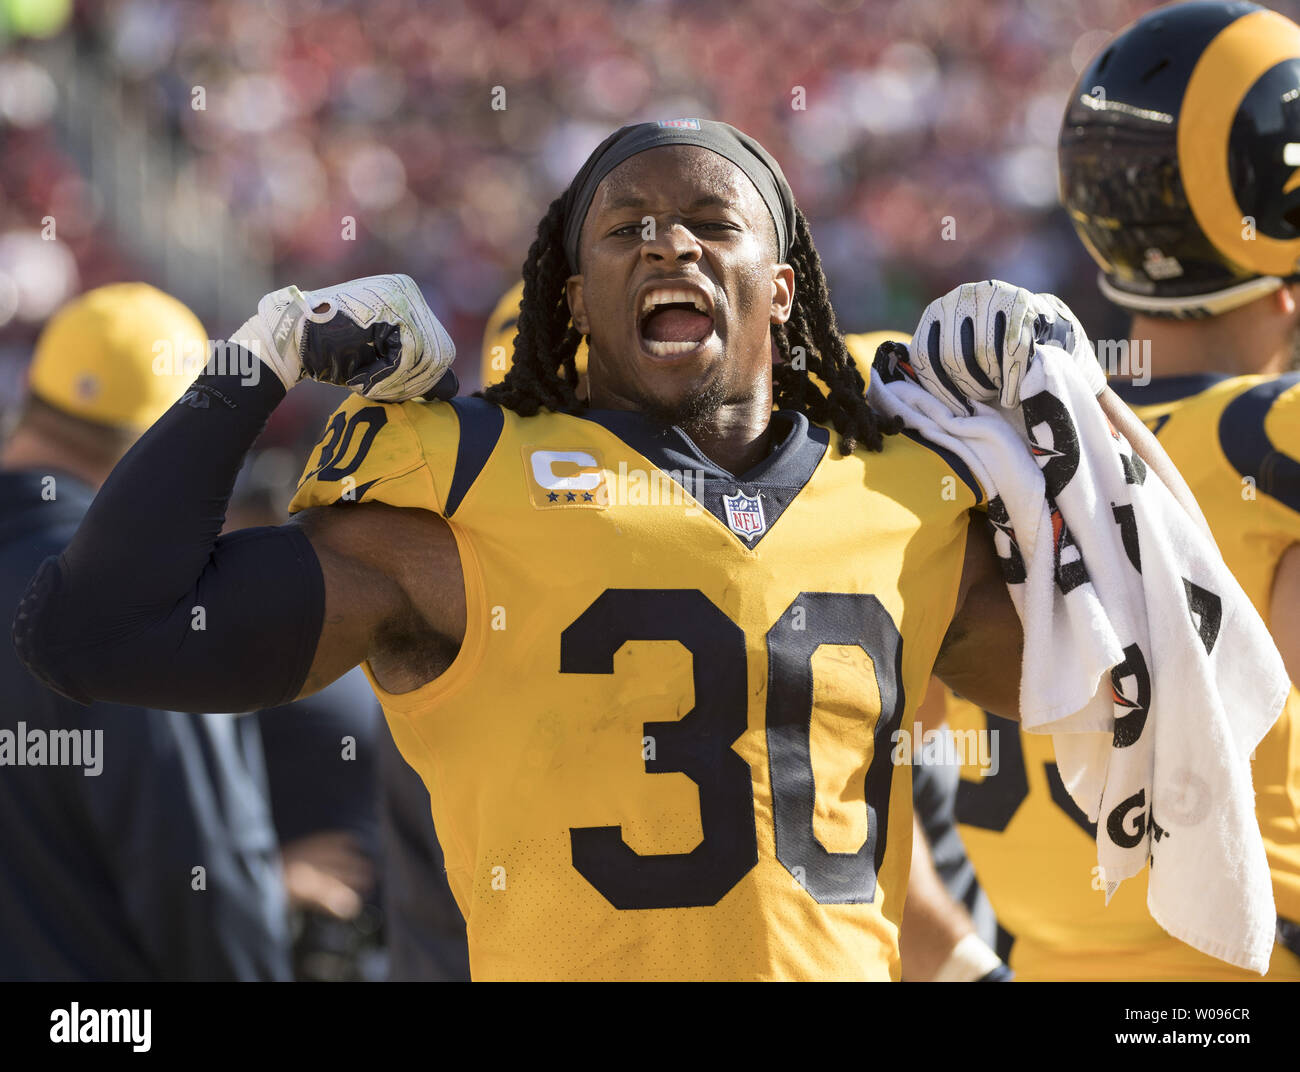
x: 219, y: 149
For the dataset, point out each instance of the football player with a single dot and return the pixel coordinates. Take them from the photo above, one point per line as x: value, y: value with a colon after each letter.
x: 938, y: 938
x: 1178, y: 168
x: 648, y: 650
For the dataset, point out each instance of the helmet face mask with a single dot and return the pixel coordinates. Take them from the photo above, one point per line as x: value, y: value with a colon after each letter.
x: 1173, y: 156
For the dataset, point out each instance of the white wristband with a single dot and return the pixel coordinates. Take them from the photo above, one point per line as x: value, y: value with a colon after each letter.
x: 969, y: 961
x: 274, y: 333
x: 253, y: 337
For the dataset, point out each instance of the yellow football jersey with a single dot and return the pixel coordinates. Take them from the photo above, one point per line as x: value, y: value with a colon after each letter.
x: 664, y: 748
x: 1236, y: 440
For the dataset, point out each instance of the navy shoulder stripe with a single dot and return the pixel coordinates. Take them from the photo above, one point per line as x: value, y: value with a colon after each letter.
x: 958, y: 466
x: 480, y: 428
x: 1165, y: 388
x: 1247, y: 447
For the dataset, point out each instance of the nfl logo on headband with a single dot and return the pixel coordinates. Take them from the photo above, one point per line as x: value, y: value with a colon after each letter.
x: 680, y: 124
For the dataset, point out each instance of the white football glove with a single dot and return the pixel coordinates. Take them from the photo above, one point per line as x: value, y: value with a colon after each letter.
x: 375, y: 336
x: 977, y: 341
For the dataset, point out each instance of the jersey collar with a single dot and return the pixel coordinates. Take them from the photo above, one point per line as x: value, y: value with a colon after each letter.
x: 799, y: 446
x: 775, y: 480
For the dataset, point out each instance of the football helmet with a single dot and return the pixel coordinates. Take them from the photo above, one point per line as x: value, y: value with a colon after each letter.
x: 1180, y: 158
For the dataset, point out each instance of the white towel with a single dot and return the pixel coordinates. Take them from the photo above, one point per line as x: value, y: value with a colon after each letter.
x: 1120, y: 588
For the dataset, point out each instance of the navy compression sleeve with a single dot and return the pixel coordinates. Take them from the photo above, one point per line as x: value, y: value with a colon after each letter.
x: 149, y: 604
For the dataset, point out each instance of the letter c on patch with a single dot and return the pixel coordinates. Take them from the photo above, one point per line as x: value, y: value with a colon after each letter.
x: 581, y: 470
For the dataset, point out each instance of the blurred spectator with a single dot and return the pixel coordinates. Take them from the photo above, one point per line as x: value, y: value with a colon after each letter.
x: 425, y: 929
x: 138, y: 844
x: 321, y: 770
x: 336, y: 140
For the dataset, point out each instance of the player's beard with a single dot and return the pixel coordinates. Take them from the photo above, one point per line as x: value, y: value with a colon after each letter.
x: 696, y: 411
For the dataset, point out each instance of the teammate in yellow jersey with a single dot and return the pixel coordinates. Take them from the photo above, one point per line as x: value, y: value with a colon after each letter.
x: 498, y: 349
x: 647, y: 650
x: 1177, y: 133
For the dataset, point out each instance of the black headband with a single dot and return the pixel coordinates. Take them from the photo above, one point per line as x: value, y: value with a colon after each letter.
x: 721, y: 138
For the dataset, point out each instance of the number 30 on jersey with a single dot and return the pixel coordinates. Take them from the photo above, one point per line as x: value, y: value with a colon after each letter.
x: 699, y: 744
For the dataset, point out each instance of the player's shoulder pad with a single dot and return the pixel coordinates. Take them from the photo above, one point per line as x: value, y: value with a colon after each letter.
x: 1259, y: 433
x: 417, y: 454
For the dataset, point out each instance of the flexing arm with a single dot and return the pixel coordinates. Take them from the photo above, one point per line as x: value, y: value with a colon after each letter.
x: 394, y: 594
x: 150, y: 605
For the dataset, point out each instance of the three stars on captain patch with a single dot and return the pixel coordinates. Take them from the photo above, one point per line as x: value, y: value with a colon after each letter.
x: 569, y: 497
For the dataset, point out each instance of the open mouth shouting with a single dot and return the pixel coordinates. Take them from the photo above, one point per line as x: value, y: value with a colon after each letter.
x: 674, y: 319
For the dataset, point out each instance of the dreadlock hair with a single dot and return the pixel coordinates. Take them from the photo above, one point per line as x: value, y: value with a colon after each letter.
x: 813, y: 333
x: 544, y: 374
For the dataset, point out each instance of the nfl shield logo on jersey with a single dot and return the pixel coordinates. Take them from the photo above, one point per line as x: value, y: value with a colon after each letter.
x: 745, y: 514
